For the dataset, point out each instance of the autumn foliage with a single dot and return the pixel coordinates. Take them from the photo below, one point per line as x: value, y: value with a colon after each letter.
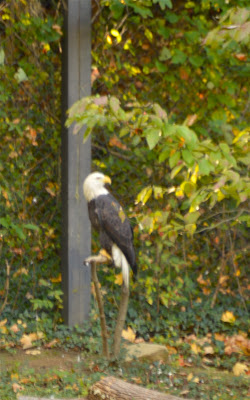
x: 168, y: 119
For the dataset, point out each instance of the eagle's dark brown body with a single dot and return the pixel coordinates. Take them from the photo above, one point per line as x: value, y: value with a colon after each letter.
x: 108, y: 218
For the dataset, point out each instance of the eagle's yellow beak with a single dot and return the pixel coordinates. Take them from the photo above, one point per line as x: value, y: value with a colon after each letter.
x: 107, y: 179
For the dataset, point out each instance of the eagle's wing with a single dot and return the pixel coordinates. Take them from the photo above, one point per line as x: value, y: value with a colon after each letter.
x: 116, y: 225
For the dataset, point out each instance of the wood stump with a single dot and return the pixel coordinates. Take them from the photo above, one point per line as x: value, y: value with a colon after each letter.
x: 110, y: 388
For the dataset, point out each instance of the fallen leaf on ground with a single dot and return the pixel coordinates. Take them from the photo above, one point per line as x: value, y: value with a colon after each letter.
x: 228, y: 316
x: 128, y: 334
x: 51, y: 344
x: 208, y: 350
x: 16, y: 387
x: 190, y: 377
x: 26, y: 340
x: 195, y: 348
x: 171, y: 350
x: 240, y: 369
x: 14, y: 328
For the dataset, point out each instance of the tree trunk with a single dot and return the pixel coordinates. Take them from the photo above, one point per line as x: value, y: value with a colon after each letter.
x: 110, y: 388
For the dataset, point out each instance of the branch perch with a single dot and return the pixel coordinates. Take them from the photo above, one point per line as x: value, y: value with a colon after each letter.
x: 94, y: 260
x: 123, y: 308
x: 101, y: 259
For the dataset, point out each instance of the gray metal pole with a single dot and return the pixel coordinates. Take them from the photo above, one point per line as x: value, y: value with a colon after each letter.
x: 76, y: 163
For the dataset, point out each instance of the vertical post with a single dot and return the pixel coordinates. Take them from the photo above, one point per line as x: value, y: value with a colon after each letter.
x: 76, y: 161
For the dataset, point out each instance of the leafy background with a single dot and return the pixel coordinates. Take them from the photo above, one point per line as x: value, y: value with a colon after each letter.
x: 169, y: 126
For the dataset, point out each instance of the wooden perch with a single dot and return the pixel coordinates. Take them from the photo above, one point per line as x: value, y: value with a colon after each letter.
x: 110, y: 388
x: 101, y: 259
x: 123, y: 308
x: 94, y: 260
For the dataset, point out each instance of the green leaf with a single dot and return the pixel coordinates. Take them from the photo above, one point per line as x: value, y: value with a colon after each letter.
x: 187, y: 157
x: 19, y: 231
x: 160, y: 66
x: 188, y: 134
x: 20, y: 75
x: 31, y: 226
x: 205, y: 167
x: 188, y: 188
x: 196, y: 61
x: 176, y: 170
x: 152, y: 137
x: 159, y: 111
x: 143, y: 11
x: 164, y: 3
x: 225, y: 148
x: 114, y: 104
x: 2, y: 57
x: 165, y: 54
x: 173, y: 160
x: 5, y: 222
x: 191, y: 217
x: 179, y: 57
x: 117, y: 8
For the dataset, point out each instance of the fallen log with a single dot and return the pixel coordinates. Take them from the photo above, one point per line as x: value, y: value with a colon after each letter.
x: 111, y: 388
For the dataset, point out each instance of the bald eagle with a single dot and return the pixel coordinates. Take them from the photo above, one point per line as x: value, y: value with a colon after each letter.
x: 108, y: 218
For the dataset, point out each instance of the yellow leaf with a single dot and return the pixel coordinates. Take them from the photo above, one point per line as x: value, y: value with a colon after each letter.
x: 109, y: 39
x: 240, y: 369
x: 20, y: 271
x: 26, y: 340
x: 144, y: 195
x: 193, y: 178
x: 57, y: 279
x: 116, y: 34
x: 149, y: 300
x: 208, y: 350
x: 190, y: 377
x: 195, y: 348
x: 46, y: 47
x: 179, y: 192
x: 3, y: 330
x: 220, y: 195
x: 128, y: 334
x: 228, y: 316
x: 14, y: 376
x: 3, y: 322
x: 119, y: 279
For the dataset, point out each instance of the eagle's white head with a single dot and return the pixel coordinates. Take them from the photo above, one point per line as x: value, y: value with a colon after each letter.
x: 94, y: 185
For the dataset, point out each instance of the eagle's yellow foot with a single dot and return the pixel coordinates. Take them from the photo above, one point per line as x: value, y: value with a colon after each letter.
x: 104, y: 253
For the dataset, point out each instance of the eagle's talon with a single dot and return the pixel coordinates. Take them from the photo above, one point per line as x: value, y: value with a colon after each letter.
x: 105, y: 254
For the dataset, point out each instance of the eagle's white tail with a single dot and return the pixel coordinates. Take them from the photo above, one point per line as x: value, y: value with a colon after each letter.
x: 120, y: 261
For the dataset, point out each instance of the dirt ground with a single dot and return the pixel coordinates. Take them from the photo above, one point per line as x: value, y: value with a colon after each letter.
x: 47, y: 359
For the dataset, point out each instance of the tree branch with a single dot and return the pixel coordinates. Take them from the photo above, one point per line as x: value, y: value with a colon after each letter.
x: 94, y: 260
x: 123, y: 308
